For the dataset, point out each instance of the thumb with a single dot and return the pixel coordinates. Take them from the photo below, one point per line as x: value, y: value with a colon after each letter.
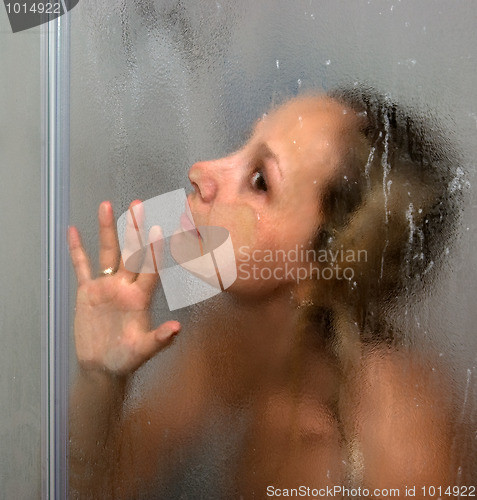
x: 131, y: 355
x: 164, y: 333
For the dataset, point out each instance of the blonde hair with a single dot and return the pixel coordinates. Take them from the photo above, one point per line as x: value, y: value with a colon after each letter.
x: 393, y: 201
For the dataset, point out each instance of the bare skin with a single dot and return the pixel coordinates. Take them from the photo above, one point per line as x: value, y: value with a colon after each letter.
x: 245, y: 350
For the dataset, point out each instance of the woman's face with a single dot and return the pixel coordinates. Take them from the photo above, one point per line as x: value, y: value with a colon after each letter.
x: 267, y: 194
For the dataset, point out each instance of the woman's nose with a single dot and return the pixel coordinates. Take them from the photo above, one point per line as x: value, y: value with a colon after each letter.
x: 202, y: 176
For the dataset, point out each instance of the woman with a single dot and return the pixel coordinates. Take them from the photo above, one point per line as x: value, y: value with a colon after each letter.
x: 295, y: 363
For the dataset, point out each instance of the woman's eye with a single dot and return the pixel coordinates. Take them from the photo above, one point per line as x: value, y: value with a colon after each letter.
x: 258, y: 181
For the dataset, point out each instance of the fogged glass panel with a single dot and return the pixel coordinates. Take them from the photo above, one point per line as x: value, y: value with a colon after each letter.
x: 20, y: 253
x: 304, y: 319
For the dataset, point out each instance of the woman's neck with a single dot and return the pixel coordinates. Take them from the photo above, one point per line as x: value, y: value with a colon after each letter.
x: 249, y: 344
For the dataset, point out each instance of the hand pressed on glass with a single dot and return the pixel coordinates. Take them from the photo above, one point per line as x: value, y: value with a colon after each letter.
x: 112, y: 321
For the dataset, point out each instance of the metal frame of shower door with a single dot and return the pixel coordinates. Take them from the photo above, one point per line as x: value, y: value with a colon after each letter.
x: 55, y: 52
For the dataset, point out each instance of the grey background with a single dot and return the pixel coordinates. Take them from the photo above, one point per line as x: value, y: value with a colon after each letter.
x: 157, y: 85
x: 20, y: 247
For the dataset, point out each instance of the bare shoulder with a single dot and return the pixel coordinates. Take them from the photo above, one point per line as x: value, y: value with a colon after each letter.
x: 405, y: 419
x: 420, y: 380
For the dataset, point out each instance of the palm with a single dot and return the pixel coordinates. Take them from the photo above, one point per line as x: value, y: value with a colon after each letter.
x: 112, y: 320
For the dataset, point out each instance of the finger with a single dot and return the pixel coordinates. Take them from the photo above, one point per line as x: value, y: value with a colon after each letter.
x: 159, y: 338
x: 152, y: 264
x: 79, y: 258
x: 133, y: 248
x: 108, y: 239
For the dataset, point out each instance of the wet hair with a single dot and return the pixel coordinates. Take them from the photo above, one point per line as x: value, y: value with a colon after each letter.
x: 396, y: 195
x: 394, y: 201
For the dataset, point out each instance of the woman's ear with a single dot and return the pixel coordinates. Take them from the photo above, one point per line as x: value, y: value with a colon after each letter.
x: 324, y: 238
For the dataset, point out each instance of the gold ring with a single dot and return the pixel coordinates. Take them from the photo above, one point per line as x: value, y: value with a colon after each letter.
x: 108, y: 272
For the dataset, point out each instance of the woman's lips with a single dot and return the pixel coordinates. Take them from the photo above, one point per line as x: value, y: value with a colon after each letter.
x: 186, y: 223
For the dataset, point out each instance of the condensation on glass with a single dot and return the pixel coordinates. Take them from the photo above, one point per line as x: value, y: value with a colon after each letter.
x: 230, y: 407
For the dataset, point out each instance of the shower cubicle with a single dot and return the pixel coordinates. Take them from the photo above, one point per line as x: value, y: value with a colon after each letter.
x: 116, y: 99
